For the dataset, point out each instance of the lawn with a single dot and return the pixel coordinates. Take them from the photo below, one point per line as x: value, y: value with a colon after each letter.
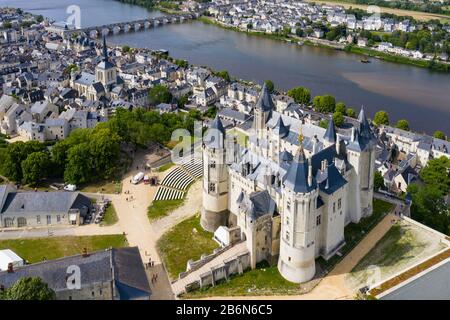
x: 37, y: 249
x: 264, y: 280
x: 165, y: 167
x: 183, y: 242
x: 103, y: 187
x: 110, y: 217
x: 401, y: 247
x: 161, y: 208
x: 354, y: 233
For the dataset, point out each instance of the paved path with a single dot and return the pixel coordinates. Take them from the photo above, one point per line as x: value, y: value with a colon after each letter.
x: 179, y: 285
x: 333, y: 286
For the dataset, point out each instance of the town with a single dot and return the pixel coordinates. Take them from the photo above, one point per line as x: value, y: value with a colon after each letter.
x: 280, y: 181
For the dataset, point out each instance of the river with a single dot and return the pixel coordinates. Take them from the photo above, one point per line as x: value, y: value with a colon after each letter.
x: 406, y: 92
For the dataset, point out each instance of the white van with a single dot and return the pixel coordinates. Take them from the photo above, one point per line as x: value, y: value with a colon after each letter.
x: 70, y: 187
x: 137, y: 178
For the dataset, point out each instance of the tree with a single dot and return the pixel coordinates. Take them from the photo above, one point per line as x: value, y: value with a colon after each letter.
x: 338, y: 118
x: 378, y: 182
x: 79, y: 164
x: 35, y: 167
x: 269, y: 85
x: 300, y: 95
x: 323, y: 123
x: 159, y: 94
x: 350, y: 112
x: 340, y: 107
x: 403, y: 124
x: 223, y: 74
x: 381, y: 117
x: 439, y: 135
x: 7, y: 25
x: 30, y: 288
x: 104, y: 148
x: 126, y: 49
x: 15, y: 153
x: 436, y: 172
x: 326, y: 103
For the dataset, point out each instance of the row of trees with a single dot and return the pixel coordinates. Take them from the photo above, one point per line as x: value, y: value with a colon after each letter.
x: 90, y: 154
x: 28, y: 288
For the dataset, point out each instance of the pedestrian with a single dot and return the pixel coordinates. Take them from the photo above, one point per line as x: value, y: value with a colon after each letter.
x: 127, y: 199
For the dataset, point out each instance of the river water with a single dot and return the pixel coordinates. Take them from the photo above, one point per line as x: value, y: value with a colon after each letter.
x: 406, y: 92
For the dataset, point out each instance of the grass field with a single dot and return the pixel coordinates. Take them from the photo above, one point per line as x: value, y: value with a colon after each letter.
x: 402, y: 246
x: 161, y: 208
x: 110, y: 217
x: 37, y: 249
x: 165, y: 167
x: 103, y: 187
x: 185, y: 241
x: 264, y: 280
x: 423, y: 16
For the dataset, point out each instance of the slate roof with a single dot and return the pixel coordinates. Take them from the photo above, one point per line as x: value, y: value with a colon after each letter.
x: 42, y: 202
x: 280, y: 128
x: 330, y: 134
x: 261, y: 203
x: 216, y: 134
x: 296, y: 178
x: 123, y: 265
x: 264, y: 101
x: 332, y: 180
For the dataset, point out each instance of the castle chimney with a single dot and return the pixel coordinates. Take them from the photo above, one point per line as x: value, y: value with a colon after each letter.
x: 309, y: 173
x: 338, y: 144
x: 10, y: 268
x: 353, y: 134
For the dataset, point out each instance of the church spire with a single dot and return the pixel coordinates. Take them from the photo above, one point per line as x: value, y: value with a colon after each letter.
x: 105, y: 49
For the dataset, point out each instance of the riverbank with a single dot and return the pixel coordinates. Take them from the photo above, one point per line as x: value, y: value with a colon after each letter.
x: 432, y: 65
x: 418, y: 15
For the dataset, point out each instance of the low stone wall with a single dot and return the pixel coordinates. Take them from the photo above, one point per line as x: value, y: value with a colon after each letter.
x: 222, y: 271
x: 204, y: 259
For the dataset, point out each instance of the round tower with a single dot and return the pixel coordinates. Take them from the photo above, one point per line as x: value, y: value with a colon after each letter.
x: 298, y: 226
x: 215, y: 179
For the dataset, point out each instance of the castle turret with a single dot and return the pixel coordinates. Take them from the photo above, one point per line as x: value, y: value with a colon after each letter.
x: 362, y: 157
x: 329, y: 137
x: 215, y: 178
x: 297, y: 249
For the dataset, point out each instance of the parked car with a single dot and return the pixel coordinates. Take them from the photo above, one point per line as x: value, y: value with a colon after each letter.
x: 137, y: 178
x: 70, y: 187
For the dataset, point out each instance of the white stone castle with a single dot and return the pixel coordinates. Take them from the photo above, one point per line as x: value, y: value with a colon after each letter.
x: 292, y: 189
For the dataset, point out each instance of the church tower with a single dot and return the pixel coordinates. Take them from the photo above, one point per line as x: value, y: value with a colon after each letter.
x: 361, y: 155
x: 298, y: 225
x: 215, y: 178
x: 105, y: 72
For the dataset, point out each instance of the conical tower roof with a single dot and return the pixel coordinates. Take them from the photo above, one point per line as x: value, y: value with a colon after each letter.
x: 265, y: 102
x: 330, y: 134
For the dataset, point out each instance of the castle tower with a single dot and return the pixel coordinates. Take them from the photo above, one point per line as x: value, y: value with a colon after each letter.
x: 362, y: 147
x: 298, y: 227
x: 215, y: 179
x: 262, y: 111
x: 105, y: 71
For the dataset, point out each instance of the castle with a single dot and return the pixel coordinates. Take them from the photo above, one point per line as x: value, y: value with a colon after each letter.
x: 291, y: 190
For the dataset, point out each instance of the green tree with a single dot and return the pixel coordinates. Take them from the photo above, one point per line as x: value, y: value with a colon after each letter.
x: 35, y: 167
x: 338, y: 118
x: 78, y: 169
x: 104, y: 148
x: 30, y: 288
x: 439, y: 135
x: 436, y: 172
x: 403, y: 124
x: 159, y: 94
x: 126, y: 49
x: 378, y: 182
x: 270, y: 86
x: 14, y: 154
x: 223, y: 74
x: 326, y: 103
x: 381, y: 117
x: 340, y: 107
x: 323, y: 123
x: 7, y: 25
x: 300, y: 95
x: 350, y: 112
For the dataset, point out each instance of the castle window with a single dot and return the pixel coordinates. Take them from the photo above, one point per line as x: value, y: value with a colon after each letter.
x: 287, y: 235
x: 334, y: 207
x: 287, y: 220
x: 318, y: 220
x: 339, y: 203
x: 289, y: 258
x: 288, y: 205
x: 212, y: 187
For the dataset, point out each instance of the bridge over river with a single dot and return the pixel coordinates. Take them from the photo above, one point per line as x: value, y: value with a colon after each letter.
x: 125, y: 27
